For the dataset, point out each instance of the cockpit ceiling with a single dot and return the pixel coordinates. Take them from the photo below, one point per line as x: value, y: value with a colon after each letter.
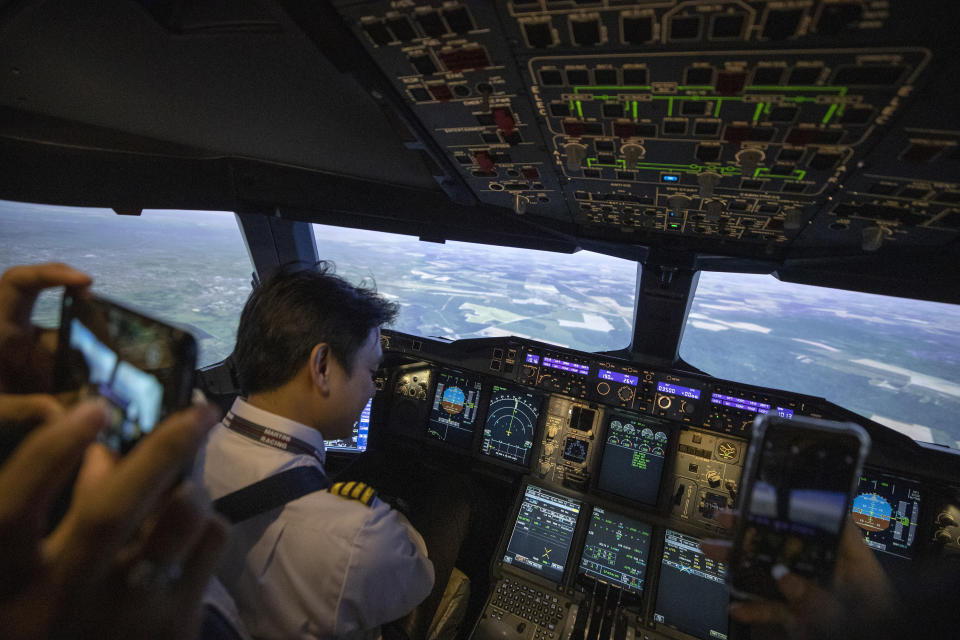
x: 818, y: 140
x: 255, y: 91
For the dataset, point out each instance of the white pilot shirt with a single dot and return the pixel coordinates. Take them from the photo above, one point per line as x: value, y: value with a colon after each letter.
x: 326, y: 567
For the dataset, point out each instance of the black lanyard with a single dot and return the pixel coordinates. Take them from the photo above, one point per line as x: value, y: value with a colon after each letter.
x: 270, y: 437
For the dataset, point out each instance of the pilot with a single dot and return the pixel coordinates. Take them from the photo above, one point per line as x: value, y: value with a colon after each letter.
x: 331, y: 563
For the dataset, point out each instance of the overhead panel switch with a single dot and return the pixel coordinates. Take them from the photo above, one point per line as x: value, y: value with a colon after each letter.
x: 707, y: 181
x: 575, y: 153
x: 632, y: 153
x: 749, y: 159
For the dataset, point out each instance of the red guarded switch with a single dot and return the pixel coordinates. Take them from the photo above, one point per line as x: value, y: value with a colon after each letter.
x: 485, y: 161
x: 504, y: 120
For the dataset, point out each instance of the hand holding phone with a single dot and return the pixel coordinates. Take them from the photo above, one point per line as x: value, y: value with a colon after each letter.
x: 143, y: 367
x: 799, y: 481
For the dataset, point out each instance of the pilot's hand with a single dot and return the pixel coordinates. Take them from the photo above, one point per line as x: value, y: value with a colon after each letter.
x: 27, y: 352
x: 130, y: 558
x: 860, y: 597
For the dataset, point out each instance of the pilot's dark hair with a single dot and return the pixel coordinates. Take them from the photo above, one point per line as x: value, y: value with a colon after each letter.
x: 295, y: 309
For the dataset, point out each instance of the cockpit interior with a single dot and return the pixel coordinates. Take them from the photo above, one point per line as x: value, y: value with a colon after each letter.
x: 646, y: 217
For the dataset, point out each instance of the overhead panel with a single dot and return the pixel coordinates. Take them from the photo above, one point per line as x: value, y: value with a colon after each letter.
x: 767, y: 127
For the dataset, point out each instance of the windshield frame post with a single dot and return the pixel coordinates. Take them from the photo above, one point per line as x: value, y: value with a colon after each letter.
x: 273, y: 242
x: 663, y: 300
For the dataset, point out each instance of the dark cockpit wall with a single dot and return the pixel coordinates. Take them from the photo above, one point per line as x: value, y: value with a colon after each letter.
x: 815, y: 142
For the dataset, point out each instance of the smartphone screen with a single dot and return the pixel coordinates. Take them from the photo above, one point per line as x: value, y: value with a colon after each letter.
x: 804, y: 475
x: 141, y: 366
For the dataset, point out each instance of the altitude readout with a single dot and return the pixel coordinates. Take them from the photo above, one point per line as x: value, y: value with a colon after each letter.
x: 633, y: 459
x: 616, y: 550
x: 454, y: 409
x: 511, y: 421
x: 542, y: 534
x: 886, y: 510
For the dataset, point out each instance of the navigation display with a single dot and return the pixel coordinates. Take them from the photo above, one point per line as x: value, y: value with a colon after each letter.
x: 886, y: 510
x: 616, y: 550
x: 361, y: 429
x: 454, y: 409
x: 511, y: 422
x: 633, y: 459
x: 687, y: 576
x: 540, y: 542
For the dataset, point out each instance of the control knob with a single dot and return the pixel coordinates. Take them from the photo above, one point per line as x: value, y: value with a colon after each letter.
x: 520, y: 204
x: 946, y: 519
x: 714, y: 210
x: 707, y: 181
x: 664, y: 402
x: 942, y: 537
x: 632, y: 154
x: 603, y: 388
x: 678, y: 202
x: 625, y: 394
x: 713, y: 479
x: 872, y: 238
x: 687, y: 408
x: 575, y: 153
x: 749, y: 159
x: 794, y: 219
x: 485, y: 90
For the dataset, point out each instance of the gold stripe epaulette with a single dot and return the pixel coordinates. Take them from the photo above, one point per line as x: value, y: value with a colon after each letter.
x: 353, y: 490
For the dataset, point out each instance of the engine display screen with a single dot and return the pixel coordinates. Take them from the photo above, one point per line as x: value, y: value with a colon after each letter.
x: 686, y: 576
x: 886, y: 509
x: 511, y: 421
x: 633, y: 459
x: 454, y: 409
x: 616, y: 550
x: 543, y: 532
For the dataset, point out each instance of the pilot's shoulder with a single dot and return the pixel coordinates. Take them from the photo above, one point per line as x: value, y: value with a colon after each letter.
x: 354, y: 490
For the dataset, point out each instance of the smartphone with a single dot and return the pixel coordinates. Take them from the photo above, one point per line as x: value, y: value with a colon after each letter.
x: 799, y: 481
x: 143, y: 367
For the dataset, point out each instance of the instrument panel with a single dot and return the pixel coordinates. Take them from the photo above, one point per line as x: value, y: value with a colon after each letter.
x: 668, y: 444
x: 622, y: 468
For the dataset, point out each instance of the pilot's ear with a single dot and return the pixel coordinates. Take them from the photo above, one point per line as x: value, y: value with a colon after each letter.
x: 320, y: 366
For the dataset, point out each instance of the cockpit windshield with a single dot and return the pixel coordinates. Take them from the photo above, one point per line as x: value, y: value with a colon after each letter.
x: 460, y: 290
x: 893, y: 360
x: 186, y: 267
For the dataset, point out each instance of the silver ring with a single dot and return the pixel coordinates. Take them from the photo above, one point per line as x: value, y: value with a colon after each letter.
x: 147, y: 574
